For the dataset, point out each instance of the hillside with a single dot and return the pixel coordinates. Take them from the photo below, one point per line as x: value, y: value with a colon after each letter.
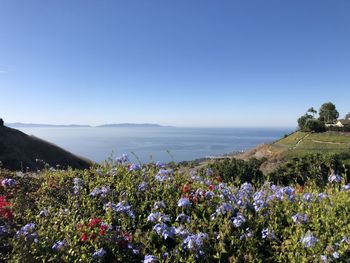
x: 19, y: 150
x: 298, y: 144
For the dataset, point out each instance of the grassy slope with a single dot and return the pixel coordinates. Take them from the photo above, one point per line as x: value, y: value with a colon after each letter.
x: 300, y: 143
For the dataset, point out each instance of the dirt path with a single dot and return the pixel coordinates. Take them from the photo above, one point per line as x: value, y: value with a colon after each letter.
x: 301, y: 139
x: 339, y: 143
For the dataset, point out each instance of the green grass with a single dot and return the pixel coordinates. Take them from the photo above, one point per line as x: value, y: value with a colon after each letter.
x: 303, y: 143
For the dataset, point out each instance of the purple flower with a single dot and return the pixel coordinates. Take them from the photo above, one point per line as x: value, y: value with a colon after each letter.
x: 102, y: 192
x: 183, y: 218
x: 247, y: 187
x: 159, y: 205
x: 150, y: 259
x: 164, y: 231
x: 160, y: 164
x: 26, y: 229
x: 99, y: 253
x: 224, y: 208
x: 8, y: 182
x: 334, y: 178
x: 346, y: 187
x: 309, y: 240
x: 324, y: 259
x: 59, y: 245
x: 183, y: 202
x: 181, y: 232
x: 121, y: 207
x: 300, y: 218
x: 122, y: 159
x: 307, y: 197
x: 194, y: 242
x: 134, y: 167
x: 268, y: 234
x: 239, y: 220
x: 158, y: 217
x: 4, y: 230
x: 336, y: 255
x: 77, y: 185
x: 44, y: 213
x: 142, y: 186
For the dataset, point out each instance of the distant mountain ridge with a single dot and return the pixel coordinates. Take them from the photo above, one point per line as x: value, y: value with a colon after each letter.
x: 35, y: 125
x: 24, y: 125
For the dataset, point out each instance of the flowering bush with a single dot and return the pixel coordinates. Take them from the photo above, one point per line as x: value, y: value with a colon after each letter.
x: 121, y: 212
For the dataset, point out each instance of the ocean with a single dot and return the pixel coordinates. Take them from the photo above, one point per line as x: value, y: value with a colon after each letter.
x: 156, y: 143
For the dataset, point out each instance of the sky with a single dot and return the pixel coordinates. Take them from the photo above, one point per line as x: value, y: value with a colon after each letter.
x: 195, y: 63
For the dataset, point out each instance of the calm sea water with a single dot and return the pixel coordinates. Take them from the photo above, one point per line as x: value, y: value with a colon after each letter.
x: 98, y: 144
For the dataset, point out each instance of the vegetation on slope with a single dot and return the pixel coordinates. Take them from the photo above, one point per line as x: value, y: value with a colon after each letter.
x: 121, y: 212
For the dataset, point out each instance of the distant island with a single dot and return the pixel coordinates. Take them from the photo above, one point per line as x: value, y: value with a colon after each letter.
x: 35, y: 125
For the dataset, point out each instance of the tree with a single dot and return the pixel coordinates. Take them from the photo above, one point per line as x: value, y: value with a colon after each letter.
x: 312, y: 111
x: 313, y: 125
x: 1, y: 122
x: 303, y: 119
x: 347, y: 117
x: 328, y: 113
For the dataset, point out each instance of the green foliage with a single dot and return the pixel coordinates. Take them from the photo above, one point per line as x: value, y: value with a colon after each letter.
x: 312, y: 125
x: 328, y: 113
x: 237, y: 171
x: 303, y: 120
x: 311, y: 168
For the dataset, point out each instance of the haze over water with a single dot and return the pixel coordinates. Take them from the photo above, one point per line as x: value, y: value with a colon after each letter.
x: 184, y: 144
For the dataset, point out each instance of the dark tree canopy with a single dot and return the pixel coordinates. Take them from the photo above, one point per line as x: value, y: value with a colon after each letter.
x: 328, y: 113
x: 303, y: 119
x: 1, y: 122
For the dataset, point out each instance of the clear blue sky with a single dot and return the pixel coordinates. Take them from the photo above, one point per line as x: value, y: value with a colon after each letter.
x: 183, y: 62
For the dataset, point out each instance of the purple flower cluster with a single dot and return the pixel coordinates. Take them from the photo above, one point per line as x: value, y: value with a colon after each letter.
x: 309, y: 240
x: 164, y: 175
x: 164, y: 230
x: 102, y: 192
x: 122, y: 159
x: 300, y: 218
x: 158, y: 217
x: 194, y: 242
x: 77, y: 185
x: 8, y: 182
x: 334, y: 178
x: 27, y: 231
x: 99, y: 253
x: 121, y: 207
x: 183, y: 202
x: 134, y: 167
x: 266, y: 233
x: 150, y: 259
x: 59, y: 245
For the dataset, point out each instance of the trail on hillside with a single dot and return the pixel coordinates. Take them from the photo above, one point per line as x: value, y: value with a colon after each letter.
x: 301, y: 139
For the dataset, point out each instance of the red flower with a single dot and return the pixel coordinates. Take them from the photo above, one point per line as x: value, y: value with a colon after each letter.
x: 211, y: 187
x: 219, y: 179
x: 93, y: 236
x: 5, y: 212
x: 102, y: 230
x: 94, y: 222
x: 186, y: 188
x: 195, y: 199
x: 84, y: 237
x: 127, y: 236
